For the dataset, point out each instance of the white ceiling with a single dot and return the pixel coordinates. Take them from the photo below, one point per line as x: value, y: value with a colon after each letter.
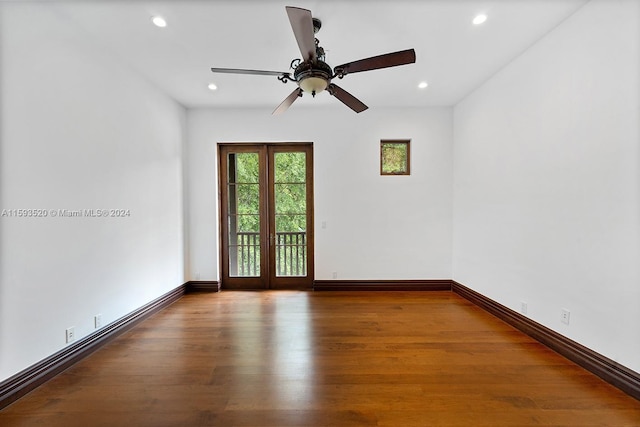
x: 453, y: 55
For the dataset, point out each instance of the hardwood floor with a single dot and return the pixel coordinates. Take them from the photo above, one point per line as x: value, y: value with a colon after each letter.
x: 324, y: 359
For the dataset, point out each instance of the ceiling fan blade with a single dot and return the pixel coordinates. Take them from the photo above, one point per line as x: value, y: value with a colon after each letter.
x: 302, y: 25
x: 254, y: 72
x: 346, y: 98
x: 394, y: 59
x: 284, y: 105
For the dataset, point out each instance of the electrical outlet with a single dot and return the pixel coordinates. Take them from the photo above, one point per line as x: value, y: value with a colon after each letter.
x: 197, y: 276
x: 523, y: 307
x: 97, y: 321
x: 564, y: 316
x: 334, y: 275
x: 71, y: 334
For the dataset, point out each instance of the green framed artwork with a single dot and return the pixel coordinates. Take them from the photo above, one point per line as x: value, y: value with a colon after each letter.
x: 395, y: 157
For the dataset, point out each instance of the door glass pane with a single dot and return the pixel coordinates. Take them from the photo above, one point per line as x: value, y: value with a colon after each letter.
x: 246, y: 168
x: 245, y: 198
x: 290, y: 210
x: 243, y: 219
x: 291, y: 198
x: 291, y: 167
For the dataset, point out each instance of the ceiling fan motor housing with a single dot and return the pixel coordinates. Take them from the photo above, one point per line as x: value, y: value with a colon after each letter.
x: 313, y: 77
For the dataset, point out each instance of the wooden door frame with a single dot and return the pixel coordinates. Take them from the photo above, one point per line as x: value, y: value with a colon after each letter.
x: 292, y: 282
x: 259, y: 282
x: 267, y: 274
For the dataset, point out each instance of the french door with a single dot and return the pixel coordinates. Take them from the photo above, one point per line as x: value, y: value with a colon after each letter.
x: 266, y: 212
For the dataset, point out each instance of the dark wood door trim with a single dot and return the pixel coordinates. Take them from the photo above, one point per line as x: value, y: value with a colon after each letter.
x: 227, y: 281
x: 284, y: 282
x: 268, y: 278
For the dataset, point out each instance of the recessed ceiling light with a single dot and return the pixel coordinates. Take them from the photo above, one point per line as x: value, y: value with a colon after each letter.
x: 159, y: 21
x: 423, y: 85
x: 212, y: 86
x: 480, y: 19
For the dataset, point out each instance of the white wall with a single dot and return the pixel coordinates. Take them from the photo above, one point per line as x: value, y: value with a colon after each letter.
x: 546, y: 181
x: 546, y: 204
x: 79, y: 131
x: 378, y: 227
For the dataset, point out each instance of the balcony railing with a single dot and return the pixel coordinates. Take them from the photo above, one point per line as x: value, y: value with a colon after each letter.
x: 290, y: 251
x: 244, y: 257
x: 291, y: 254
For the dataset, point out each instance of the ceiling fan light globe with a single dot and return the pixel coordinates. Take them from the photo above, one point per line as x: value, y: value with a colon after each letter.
x: 313, y: 85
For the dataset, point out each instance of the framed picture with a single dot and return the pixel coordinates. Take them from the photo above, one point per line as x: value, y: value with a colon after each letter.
x: 395, y: 157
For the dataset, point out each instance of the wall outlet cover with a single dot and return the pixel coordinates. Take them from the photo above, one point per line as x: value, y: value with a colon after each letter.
x: 97, y: 321
x: 70, y: 334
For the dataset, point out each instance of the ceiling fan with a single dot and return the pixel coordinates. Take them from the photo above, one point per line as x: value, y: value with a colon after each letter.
x: 312, y: 73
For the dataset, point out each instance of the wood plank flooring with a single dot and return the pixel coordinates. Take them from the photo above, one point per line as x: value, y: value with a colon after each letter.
x: 324, y: 359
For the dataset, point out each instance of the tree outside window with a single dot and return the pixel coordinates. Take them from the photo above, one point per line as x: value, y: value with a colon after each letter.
x: 395, y: 158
